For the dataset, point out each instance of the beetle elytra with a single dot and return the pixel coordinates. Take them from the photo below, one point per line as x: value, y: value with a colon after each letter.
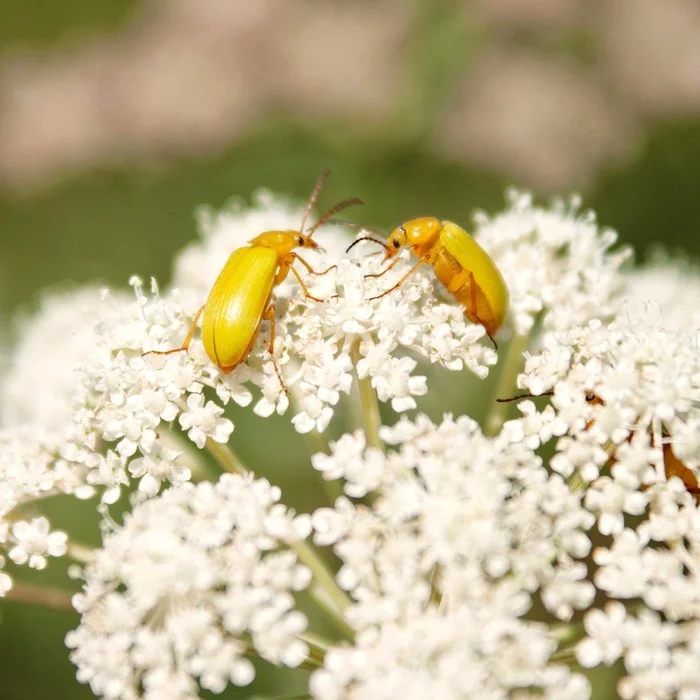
x: 241, y: 297
x: 458, y: 261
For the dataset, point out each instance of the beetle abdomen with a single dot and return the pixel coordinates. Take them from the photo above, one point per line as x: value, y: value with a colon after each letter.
x: 492, y: 291
x: 458, y: 283
x: 236, y: 304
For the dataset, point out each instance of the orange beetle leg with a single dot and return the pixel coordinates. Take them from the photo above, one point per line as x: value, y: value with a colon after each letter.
x: 310, y: 269
x: 269, y: 315
x: 400, y: 282
x: 304, y: 288
x: 391, y: 266
x: 184, y: 347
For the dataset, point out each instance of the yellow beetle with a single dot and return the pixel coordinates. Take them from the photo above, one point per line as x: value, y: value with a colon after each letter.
x: 241, y: 297
x: 459, y: 262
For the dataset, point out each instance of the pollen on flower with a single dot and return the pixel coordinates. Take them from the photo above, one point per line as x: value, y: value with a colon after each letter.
x: 176, y: 596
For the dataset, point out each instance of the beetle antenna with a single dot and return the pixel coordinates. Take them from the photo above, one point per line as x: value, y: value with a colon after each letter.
x: 352, y: 224
x: 525, y: 396
x: 334, y: 210
x: 314, y: 196
x: 365, y: 238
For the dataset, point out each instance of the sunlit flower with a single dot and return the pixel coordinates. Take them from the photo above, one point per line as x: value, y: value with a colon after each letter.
x: 177, y: 594
x: 454, y: 561
x: 557, y: 261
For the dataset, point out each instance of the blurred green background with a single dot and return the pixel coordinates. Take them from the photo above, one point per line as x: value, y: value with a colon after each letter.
x: 118, y: 118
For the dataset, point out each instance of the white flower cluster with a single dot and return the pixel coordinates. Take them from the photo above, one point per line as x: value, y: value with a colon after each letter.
x: 626, y: 400
x: 556, y: 261
x: 126, y: 402
x: 38, y: 384
x: 626, y: 405
x: 660, y: 657
x: 29, y: 472
x: 322, y: 341
x: 458, y: 536
x: 190, y: 582
x: 670, y: 288
x: 462, y: 531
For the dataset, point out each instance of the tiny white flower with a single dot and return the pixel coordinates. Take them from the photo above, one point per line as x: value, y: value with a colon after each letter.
x: 34, y: 543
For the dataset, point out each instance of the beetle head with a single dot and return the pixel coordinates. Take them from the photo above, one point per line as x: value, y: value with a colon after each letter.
x: 302, y: 240
x: 418, y: 233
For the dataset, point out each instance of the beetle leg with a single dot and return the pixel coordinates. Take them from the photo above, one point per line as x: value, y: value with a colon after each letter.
x: 458, y: 281
x: 184, y: 347
x: 269, y: 315
x: 310, y: 269
x: 393, y: 264
x: 400, y: 282
x: 304, y: 288
x: 471, y: 311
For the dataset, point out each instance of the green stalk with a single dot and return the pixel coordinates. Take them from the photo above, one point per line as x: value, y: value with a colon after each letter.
x: 225, y: 457
x: 33, y: 594
x: 229, y: 461
x: 371, y: 417
x: 334, y: 601
x: 506, y: 384
x: 80, y: 552
x: 317, y: 443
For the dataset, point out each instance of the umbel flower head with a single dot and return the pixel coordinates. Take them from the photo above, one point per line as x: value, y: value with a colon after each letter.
x: 442, y: 569
x: 452, y: 558
x: 179, y: 593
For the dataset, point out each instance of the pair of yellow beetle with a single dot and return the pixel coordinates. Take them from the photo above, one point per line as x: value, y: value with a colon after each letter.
x: 241, y: 297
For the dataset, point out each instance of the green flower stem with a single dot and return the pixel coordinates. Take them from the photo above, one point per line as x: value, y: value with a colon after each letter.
x: 566, y: 655
x: 567, y: 633
x: 318, y: 644
x: 371, y: 417
x: 567, y: 636
x: 44, y: 596
x: 333, y: 600
x: 506, y: 383
x: 320, y: 597
x: 316, y: 443
x: 576, y: 483
x: 229, y: 461
x: 225, y: 457
x: 80, y: 552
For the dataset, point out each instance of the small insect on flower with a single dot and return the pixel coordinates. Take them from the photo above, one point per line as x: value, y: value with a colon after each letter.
x: 241, y: 297
x: 458, y: 261
x: 672, y: 465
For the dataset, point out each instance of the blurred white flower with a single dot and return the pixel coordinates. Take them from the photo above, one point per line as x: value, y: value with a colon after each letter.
x: 38, y: 382
x: 34, y: 542
x: 471, y: 652
x: 669, y: 288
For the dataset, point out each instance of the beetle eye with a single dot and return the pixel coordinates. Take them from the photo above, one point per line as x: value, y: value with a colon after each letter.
x: 300, y: 241
x: 590, y: 397
x: 396, y: 243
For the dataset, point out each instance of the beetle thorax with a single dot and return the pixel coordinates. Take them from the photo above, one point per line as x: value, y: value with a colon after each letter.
x: 282, y: 241
x: 421, y: 234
